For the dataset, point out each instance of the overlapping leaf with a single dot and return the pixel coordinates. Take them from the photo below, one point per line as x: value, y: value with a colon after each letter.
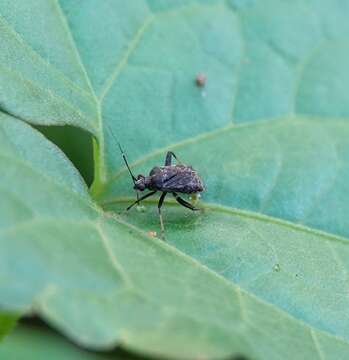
x: 44, y: 344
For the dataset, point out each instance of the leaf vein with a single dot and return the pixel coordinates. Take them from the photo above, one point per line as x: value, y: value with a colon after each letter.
x: 316, y: 344
x: 74, y: 47
x: 113, y: 259
x: 133, y: 45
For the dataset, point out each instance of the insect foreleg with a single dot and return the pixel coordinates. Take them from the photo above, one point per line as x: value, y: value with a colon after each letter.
x: 161, y: 200
x: 140, y: 199
x: 185, y: 203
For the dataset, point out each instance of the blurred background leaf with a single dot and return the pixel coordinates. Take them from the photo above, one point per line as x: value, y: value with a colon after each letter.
x: 32, y: 340
x: 7, y: 322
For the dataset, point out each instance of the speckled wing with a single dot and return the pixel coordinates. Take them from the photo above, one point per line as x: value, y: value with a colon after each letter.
x: 184, y: 180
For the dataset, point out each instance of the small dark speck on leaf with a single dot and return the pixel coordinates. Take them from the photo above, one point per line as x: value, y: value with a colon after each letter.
x: 200, y: 79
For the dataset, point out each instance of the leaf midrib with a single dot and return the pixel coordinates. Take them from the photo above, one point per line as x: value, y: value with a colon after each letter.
x: 75, y: 49
x: 245, y: 214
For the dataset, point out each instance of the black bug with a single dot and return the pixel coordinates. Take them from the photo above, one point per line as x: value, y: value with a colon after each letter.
x: 167, y: 179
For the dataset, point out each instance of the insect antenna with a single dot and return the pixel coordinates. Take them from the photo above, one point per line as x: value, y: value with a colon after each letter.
x: 123, y: 155
x: 125, y: 159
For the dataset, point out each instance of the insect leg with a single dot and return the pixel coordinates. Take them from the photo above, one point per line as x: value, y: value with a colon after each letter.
x: 161, y: 200
x: 185, y: 203
x: 168, y: 160
x: 140, y: 199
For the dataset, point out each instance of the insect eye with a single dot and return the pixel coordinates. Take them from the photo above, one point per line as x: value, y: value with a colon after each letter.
x: 140, y: 177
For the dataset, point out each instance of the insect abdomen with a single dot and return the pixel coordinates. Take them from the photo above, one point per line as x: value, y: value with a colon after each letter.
x: 182, y: 179
x: 195, y: 185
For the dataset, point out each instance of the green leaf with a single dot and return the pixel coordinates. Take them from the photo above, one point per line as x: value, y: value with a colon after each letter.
x: 103, y: 282
x: 37, y: 343
x: 7, y: 322
x: 268, y: 134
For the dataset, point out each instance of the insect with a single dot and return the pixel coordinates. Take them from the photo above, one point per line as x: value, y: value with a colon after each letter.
x: 167, y: 179
x: 200, y: 79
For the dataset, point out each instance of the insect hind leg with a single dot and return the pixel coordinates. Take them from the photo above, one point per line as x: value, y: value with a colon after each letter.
x: 185, y: 203
x: 168, y: 160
